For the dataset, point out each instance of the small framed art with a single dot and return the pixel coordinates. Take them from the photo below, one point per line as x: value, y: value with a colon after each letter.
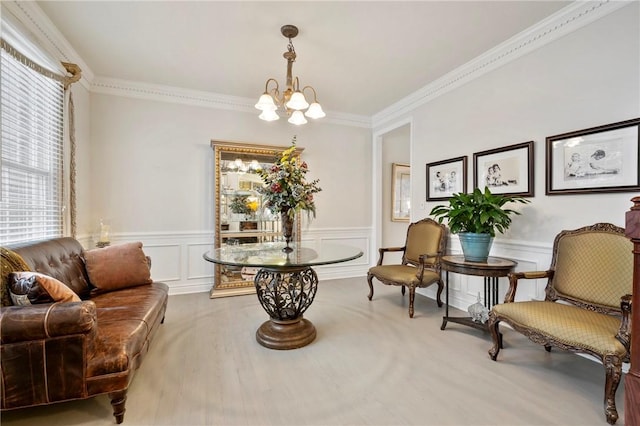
x: 445, y: 178
x: 506, y: 170
x: 400, y: 192
x: 598, y: 159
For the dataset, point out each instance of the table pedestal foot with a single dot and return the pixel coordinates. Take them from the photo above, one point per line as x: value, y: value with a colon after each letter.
x: 286, y: 334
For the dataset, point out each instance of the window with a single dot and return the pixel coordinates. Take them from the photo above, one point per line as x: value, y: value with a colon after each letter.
x: 31, y: 153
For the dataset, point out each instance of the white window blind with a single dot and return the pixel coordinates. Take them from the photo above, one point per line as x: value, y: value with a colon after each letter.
x: 31, y: 154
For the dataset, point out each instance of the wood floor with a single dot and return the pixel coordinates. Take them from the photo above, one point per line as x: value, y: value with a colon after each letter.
x: 369, y: 365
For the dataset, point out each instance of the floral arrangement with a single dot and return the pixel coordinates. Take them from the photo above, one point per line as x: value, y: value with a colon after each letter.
x: 286, y: 189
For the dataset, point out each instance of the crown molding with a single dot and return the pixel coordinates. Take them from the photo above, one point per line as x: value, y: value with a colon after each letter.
x: 569, y: 19
x: 40, y: 26
x: 38, y: 23
x: 574, y: 16
x: 161, y: 93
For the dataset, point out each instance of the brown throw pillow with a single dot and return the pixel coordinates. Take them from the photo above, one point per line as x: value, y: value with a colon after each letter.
x: 27, y: 288
x: 116, y: 267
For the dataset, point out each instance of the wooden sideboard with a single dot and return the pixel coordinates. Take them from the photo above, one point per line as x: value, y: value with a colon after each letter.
x: 632, y: 380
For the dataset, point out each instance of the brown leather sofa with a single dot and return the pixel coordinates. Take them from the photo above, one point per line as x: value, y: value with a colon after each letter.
x: 57, y: 352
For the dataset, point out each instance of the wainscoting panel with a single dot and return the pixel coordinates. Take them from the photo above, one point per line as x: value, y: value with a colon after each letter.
x: 463, y: 289
x: 177, y: 257
x: 177, y: 260
x: 197, y: 267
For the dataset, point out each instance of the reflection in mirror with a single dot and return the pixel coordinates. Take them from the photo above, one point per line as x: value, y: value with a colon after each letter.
x: 240, y: 217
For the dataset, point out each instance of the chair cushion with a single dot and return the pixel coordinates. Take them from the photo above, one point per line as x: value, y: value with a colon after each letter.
x: 594, y: 267
x: 403, y: 275
x: 423, y: 237
x: 573, y: 326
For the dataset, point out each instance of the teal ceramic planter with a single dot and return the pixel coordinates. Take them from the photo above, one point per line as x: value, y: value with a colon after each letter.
x: 475, y: 247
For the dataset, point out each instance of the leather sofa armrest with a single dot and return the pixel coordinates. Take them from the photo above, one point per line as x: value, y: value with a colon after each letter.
x: 35, y: 322
x: 514, y: 277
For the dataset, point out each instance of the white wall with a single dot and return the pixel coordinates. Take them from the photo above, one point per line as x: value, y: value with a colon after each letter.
x: 147, y: 166
x: 152, y: 177
x: 587, y: 78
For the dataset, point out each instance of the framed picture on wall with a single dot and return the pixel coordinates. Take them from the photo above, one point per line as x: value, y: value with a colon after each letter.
x: 506, y: 170
x: 599, y: 159
x: 445, y: 178
x: 400, y: 192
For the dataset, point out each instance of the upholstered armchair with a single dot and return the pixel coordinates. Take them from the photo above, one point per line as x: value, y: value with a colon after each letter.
x: 587, y: 305
x: 425, y: 244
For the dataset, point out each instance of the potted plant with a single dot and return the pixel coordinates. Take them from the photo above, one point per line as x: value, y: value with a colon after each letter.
x: 476, y: 217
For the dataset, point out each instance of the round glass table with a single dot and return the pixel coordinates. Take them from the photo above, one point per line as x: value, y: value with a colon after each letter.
x: 286, y: 284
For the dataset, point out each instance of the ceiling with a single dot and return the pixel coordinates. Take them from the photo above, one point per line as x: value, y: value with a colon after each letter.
x: 361, y: 57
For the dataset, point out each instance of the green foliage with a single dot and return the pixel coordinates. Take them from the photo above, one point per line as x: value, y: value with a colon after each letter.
x: 285, y: 188
x: 478, y: 212
x: 242, y: 204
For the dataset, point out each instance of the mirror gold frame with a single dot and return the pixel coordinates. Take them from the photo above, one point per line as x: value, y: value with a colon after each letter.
x: 228, y: 186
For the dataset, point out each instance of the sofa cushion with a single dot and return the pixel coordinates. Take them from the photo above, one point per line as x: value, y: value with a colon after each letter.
x: 28, y: 288
x: 127, y: 319
x: 116, y: 267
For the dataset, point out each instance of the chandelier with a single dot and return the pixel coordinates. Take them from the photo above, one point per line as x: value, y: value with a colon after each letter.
x: 292, y: 100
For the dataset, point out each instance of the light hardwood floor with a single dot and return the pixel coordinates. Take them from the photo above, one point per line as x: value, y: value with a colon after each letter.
x: 369, y: 365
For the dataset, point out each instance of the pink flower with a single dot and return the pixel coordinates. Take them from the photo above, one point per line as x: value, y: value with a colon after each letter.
x: 275, y: 187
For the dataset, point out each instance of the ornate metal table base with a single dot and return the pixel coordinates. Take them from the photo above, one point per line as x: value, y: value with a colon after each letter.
x: 286, y: 293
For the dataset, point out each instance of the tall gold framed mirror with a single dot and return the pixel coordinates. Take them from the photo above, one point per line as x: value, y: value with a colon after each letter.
x: 240, y: 217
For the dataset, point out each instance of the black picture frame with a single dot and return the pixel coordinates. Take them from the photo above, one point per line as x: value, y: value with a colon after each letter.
x: 507, y: 170
x: 594, y: 160
x: 445, y: 178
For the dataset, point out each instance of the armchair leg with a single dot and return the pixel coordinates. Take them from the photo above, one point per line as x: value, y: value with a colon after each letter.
x: 439, y: 294
x: 613, y: 372
x: 412, y: 297
x: 118, y: 400
x: 403, y: 290
x: 493, y: 326
x: 370, y: 281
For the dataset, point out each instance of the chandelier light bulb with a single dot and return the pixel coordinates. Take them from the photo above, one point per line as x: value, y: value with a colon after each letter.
x: 297, y: 102
x: 266, y: 103
x: 315, y: 111
x: 269, y: 115
x: 297, y: 118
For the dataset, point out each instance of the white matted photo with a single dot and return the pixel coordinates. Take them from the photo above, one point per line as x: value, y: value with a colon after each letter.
x: 600, y: 159
x: 506, y: 170
x: 445, y: 178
